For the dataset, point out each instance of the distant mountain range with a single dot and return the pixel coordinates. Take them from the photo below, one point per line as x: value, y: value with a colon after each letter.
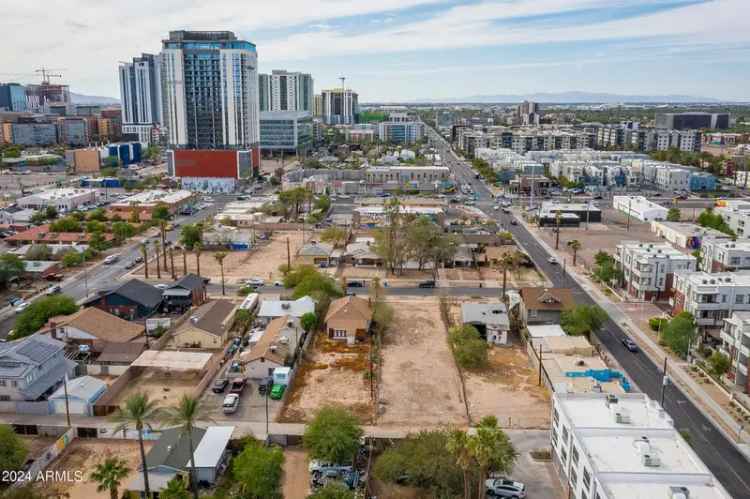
x: 578, y: 98
x: 92, y: 99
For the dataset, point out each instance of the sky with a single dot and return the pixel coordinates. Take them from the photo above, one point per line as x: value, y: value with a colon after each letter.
x: 406, y: 50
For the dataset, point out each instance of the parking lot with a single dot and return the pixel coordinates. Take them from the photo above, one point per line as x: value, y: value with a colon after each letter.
x: 252, y: 404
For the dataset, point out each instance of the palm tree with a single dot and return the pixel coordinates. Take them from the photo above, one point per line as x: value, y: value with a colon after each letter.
x: 163, y: 230
x: 575, y: 245
x: 171, y: 261
x: 185, y: 415
x: 183, y: 250
x: 220, y: 256
x: 490, y: 448
x: 144, y: 252
x: 508, y: 261
x: 197, y: 247
x: 157, y: 245
x: 458, y: 446
x: 138, y: 412
x: 175, y: 490
x: 109, y: 474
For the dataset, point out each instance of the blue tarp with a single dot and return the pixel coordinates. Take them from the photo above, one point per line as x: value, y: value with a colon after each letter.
x: 602, y: 376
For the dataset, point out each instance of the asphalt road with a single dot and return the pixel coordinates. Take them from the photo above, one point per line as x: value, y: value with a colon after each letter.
x: 723, y: 459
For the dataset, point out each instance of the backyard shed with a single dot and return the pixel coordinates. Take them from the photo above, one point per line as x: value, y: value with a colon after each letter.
x: 83, y: 393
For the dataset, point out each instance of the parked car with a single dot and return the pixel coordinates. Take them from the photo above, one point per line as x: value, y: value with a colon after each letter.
x: 54, y: 277
x: 131, y: 265
x: 355, y: 284
x: 231, y: 403
x: 552, y: 260
x: 277, y: 392
x: 317, y: 466
x: 630, y: 344
x: 138, y: 259
x: 514, y: 222
x: 161, y: 286
x: 13, y: 299
x: 111, y: 259
x: 238, y: 385
x: 502, y: 487
x: 427, y: 284
x: 21, y: 306
x: 53, y: 290
x: 254, y: 281
x: 219, y: 385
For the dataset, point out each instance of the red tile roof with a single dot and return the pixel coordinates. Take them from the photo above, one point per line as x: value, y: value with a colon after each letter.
x: 42, y: 234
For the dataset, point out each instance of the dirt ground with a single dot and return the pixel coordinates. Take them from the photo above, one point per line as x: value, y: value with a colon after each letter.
x: 331, y: 373
x: 262, y: 262
x: 36, y: 445
x: 419, y: 383
x: 84, y: 455
x: 507, y: 389
x: 295, y: 483
x: 164, y: 387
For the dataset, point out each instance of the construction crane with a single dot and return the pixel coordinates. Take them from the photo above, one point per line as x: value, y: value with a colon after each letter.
x: 46, y: 74
x: 343, y: 82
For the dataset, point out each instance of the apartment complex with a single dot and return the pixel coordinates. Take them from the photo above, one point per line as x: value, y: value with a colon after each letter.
x: 736, y: 214
x: 711, y: 298
x: 400, y: 128
x: 695, y: 120
x: 735, y: 344
x: 283, y: 90
x: 639, y: 208
x: 140, y: 96
x: 648, y: 269
x: 624, y: 446
x: 210, y: 90
x: 724, y: 255
x: 339, y: 106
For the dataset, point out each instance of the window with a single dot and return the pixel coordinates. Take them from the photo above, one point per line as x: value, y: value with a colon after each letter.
x: 339, y: 333
x: 586, y: 478
x: 740, y: 299
x: 574, y: 455
x: 565, y: 434
x: 555, y: 415
x: 2, y: 382
x: 14, y: 384
x: 4, y: 398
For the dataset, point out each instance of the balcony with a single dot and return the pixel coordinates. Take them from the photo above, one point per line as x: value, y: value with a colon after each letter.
x: 742, y: 368
x: 728, y: 338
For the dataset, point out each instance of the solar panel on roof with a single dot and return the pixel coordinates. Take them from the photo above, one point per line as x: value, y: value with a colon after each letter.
x: 37, y: 351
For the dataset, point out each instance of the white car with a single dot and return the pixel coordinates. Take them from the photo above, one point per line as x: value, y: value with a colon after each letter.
x: 111, y: 259
x: 496, y: 207
x: 161, y: 286
x: 552, y: 260
x: 20, y: 307
x: 231, y: 403
x: 502, y: 487
x: 254, y: 281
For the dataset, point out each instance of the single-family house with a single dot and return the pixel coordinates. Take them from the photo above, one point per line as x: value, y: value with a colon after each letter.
x: 349, y: 319
x: 93, y: 328
x: 464, y: 256
x: 315, y: 253
x: 32, y: 368
x: 189, y: 291
x: 544, y: 305
x: 169, y: 458
x: 132, y: 300
x: 208, y: 326
x: 271, y: 309
x: 274, y: 349
x: 361, y: 253
x: 490, y: 319
x: 81, y: 394
x: 40, y: 269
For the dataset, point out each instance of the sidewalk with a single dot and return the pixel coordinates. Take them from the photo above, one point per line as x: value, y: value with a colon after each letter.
x: 677, y: 373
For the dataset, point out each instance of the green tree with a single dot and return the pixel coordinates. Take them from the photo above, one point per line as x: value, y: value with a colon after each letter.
x: 605, y: 268
x: 138, y: 412
x: 98, y: 214
x: 111, y: 162
x: 191, y: 234
x: 332, y: 490
x: 122, y: 231
x: 66, y: 224
x: 469, y: 349
x: 11, y: 267
x: 390, y: 241
x: 583, y: 320
x: 719, y: 363
x: 93, y: 226
x: 50, y: 213
x: 674, y: 215
x: 322, y: 203
x: 175, y: 490
x: 98, y: 241
x: 334, y: 235
x: 308, y: 321
x: 109, y: 474
x: 40, y: 311
x: 714, y: 221
x: 72, y: 259
x: 333, y: 435
x: 13, y: 451
x: 258, y: 471
x: 39, y: 252
x: 39, y: 217
x: 679, y: 333
x: 308, y: 281
x: 161, y: 212
x: 187, y: 412
x: 508, y: 262
x: 492, y: 450
x: 458, y: 446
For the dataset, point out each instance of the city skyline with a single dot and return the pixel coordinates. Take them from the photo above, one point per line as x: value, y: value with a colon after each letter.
x: 415, y: 49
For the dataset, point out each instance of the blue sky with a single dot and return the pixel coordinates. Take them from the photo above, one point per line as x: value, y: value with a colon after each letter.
x: 412, y: 49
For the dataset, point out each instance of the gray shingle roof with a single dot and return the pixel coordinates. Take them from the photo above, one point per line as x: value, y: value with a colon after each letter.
x: 173, y: 448
x: 27, y: 353
x: 140, y: 292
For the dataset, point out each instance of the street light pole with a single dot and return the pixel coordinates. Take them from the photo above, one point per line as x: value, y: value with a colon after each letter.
x: 664, y: 381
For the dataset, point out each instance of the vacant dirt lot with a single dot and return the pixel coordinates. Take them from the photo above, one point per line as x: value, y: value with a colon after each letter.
x: 295, y: 483
x: 84, y: 455
x: 263, y: 262
x: 420, y: 383
x: 332, y: 373
x: 507, y: 389
x: 162, y: 386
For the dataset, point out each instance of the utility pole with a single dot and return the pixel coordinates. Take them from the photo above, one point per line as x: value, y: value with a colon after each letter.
x: 664, y: 381
x: 288, y: 256
x: 539, y: 381
x: 67, y: 404
x: 630, y: 202
x: 557, y: 235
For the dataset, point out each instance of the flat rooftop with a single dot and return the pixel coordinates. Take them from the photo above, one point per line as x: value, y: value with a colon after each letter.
x: 62, y: 193
x: 549, y: 206
x: 654, y: 250
x: 700, y: 278
x: 591, y: 411
x: 689, y: 229
x: 699, y: 488
x: 155, y: 196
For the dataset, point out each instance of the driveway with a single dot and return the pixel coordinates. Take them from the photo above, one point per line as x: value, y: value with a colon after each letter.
x: 252, y: 404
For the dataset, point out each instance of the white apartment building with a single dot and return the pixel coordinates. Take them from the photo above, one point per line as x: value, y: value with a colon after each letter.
x: 735, y: 344
x: 140, y: 93
x: 736, y: 213
x: 648, y: 268
x: 63, y: 200
x: 625, y: 446
x: 640, y: 208
x: 711, y: 298
x: 284, y: 90
x: 725, y: 255
x: 685, y: 235
x: 673, y: 179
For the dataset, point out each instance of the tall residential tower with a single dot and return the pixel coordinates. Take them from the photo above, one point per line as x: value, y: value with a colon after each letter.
x: 210, y: 90
x: 340, y: 106
x: 286, y: 91
x: 140, y: 95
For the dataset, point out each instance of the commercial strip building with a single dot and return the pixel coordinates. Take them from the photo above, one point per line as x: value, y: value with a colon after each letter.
x: 570, y: 214
x: 145, y: 202
x: 210, y: 90
x: 685, y: 235
x: 625, y: 446
x: 648, y: 268
x: 639, y: 208
x: 63, y: 200
x: 284, y: 90
x: 735, y: 344
x: 287, y: 131
x: 711, y: 298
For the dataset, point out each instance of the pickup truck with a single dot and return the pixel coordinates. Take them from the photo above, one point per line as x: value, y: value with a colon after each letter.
x: 237, y: 386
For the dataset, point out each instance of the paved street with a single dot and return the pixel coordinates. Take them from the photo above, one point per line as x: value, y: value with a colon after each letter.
x: 720, y: 455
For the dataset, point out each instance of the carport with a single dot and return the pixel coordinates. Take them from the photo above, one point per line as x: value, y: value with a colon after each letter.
x: 173, y: 360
